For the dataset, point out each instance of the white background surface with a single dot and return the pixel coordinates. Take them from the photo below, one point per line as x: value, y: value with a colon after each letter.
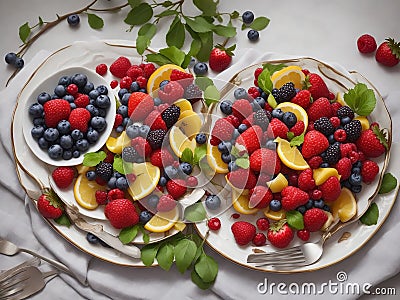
x: 326, y: 30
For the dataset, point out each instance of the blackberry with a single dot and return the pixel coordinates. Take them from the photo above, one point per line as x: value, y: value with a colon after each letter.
x: 332, y: 154
x: 345, y: 111
x: 104, y: 170
x: 261, y: 119
x: 275, y: 93
x: 171, y: 115
x: 193, y: 93
x: 353, y: 130
x: 155, y: 138
x: 129, y: 154
x: 324, y: 126
x: 286, y: 92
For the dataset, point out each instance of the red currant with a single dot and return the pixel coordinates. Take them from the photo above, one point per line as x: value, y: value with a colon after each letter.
x: 259, y: 239
x: 214, y: 223
x: 303, y: 234
x: 101, y: 69
x: 114, y: 84
x: 72, y: 89
x: 262, y: 224
x: 235, y: 216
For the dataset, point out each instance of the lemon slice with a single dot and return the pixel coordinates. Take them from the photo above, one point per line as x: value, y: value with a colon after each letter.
x: 321, y: 175
x: 163, y: 221
x: 240, y: 203
x: 115, y: 145
x: 189, y: 123
x: 290, y: 156
x: 364, y: 122
x: 339, y: 98
x: 300, y: 113
x: 275, y: 215
x: 146, y: 181
x: 84, y: 192
x: 184, y: 105
x: 179, y: 225
x: 82, y: 169
x: 179, y: 141
x: 162, y: 73
x: 344, y: 207
x: 288, y: 74
x: 278, y: 183
x: 215, y: 161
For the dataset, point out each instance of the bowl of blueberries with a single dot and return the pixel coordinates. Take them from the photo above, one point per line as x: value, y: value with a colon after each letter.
x: 70, y: 113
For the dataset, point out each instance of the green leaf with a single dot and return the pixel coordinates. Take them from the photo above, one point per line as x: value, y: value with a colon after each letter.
x: 139, y: 14
x: 187, y: 156
x: 185, y: 251
x: 203, y: 82
x: 92, y: 159
x: 235, y: 14
x: 95, y: 21
x: 195, y: 47
x: 41, y: 22
x: 175, y: 55
x: 142, y: 42
x: 134, y: 3
x: 259, y: 23
x: 118, y: 164
x: 146, y: 237
x: 148, y: 254
x: 166, y: 13
x: 208, y: 7
x: 128, y: 167
x: 206, y: 46
x: 128, y: 234
x: 199, y: 282
x: 297, y: 140
x: 63, y: 220
x: 295, y: 219
x: 24, y: 32
x: 225, y: 31
x: 195, y: 212
x: 199, y: 24
x: 211, y: 94
x: 167, y: 3
x: 243, y: 162
x: 165, y: 256
x: 148, y: 30
x: 207, y: 268
x: 264, y: 81
x: 199, y: 153
x: 360, y: 99
x: 272, y: 68
x: 370, y: 217
x: 389, y: 183
x: 158, y: 59
x: 176, y: 33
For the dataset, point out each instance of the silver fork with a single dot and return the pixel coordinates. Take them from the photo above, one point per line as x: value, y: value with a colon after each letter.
x: 24, y: 283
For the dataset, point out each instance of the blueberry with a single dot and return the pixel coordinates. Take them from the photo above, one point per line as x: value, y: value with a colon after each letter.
x: 162, y: 181
x: 112, y: 182
x: 200, y: 68
x: 163, y: 84
x: 235, y: 134
x: 242, y: 128
x: 37, y: 131
x: 69, y: 98
x: 226, y: 157
x: 301, y: 209
x: 240, y: 93
x: 345, y: 120
x: 346, y: 184
x: 143, y: 90
x: 140, y: 160
x: 357, y: 164
x: 170, y: 172
x: 92, y: 109
x: 122, y: 183
x: 186, y: 168
x: 103, y: 101
x: 19, y: 63
x: 122, y: 92
x: 64, y: 80
x: 201, y: 138
x: 82, y: 145
x: 309, y: 204
x: 76, y: 153
x: 89, y: 86
x: 67, y: 154
x: 92, y: 136
x: 73, y: 20
x: 289, y: 119
x: 277, y: 113
x: 213, y: 202
x: 232, y: 166
x: 63, y: 127
x: 36, y: 110
x: 79, y: 79
x: 275, y: 205
x: 356, y: 188
x: 104, y: 244
x: 331, y: 139
x: 157, y: 101
x: 270, y: 144
x: 248, y: 17
x: 226, y: 107
x: 123, y: 110
x: 93, y: 94
x: 117, y: 174
x: 55, y: 151
x: 145, y: 216
x: 43, y: 97
x: 91, y: 175
x: 66, y: 142
x: 253, y: 35
x: 355, y: 179
x: 91, y: 238
x: 10, y: 58
x: 51, y: 134
x: 319, y: 203
x: 144, y: 131
x: 356, y: 170
x: 102, y: 112
x: 98, y: 123
x: 193, y: 61
x: 260, y: 101
x: 76, y: 134
x: 132, y: 131
x: 102, y: 89
x: 326, y: 208
x: 43, y: 144
x: 224, y: 147
x: 38, y: 121
x: 72, y: 106
x: 135, y: 87
x: 324, y: 165
x: 126, y: 121
x: 152, y: 201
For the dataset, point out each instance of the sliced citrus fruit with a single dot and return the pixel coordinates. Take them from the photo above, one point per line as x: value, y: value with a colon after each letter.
x: 364, y: 122
x: 85, y: 190
x: 288, y: 74
x: 82, y: 169
x: 300, y: 113
x: 163, y: 221
x: 275, y: 215
x: 278, y: 183
x: 116, y: 144
x: 179, y: 141
x: 339, y: 98
x: 184, y: 105
x: 179, y: 225
x: 190, y: 123
x: 321, y: 175
x: 162, y: 73
x: 344, y: 207
x: 146, y: 181
x: 328, y: 222
x: 215, y: 161
x: 240, y: 203
x: 290, y: 156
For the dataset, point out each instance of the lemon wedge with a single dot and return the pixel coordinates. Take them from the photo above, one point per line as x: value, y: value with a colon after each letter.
x: 300, y: 112
x: 321, y: 175
x: 162, y: 73
x: 179, y: 141
x: 364, y: 122
x: 278, y: 183
x: 288, y: 74
x: 275, y: 215
x: 82, y: 169
x: 184, y: 105
x: 290, y: 156
x: 240, y: 203
x: 163, y: 221
x: 339, y: 98
x: 344, y: 207
x: 147, y: 177
x: 85, y: 190
x: 116, y: 144
x: 215, y: 161
x: 189, y: 123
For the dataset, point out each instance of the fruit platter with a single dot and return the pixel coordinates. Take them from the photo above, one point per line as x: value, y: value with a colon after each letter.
x: 281, y: 153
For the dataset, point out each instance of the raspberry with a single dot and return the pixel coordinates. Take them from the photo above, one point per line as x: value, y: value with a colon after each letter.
x: 125, y: 82
x: 303, y: 234
x: 340, y: 135
x: 155, y: 121
x: 118, y: 120
x: 253, y: 92
x: 298, y: 128
x: 142, y: 146
x: 266, y: 161
x: 346, y: 148
x: 82, y: 101
x: 242, y: 178
x: 262, y: 224
x: 72, y: 89
x: 330, y: 189
x: 101, y: 69
x: 314, y: 219
x: 243, y: 232
x: 335, y: 121
x: 366, y: 43
x: 113, y: 84
x: 183, y: 78
x: 148, y: 69
x: 161, y: 158
x: 257, y: 72
x: 120, y: 66
x: 176, y: 188
x: 192, y: 181
x: 316, y: 194
x: 222, y: 131
x: 142, y: 82
x: 233, y: 120
x: 101, y: 197
x: 171, y: 92
x: 115, y: 194
x: 259, y: 239
x: 166, y: 203
x: 343, y: 167
x: 315, y: 161
x: 242, y: 109
x: 369, y: 170
x: 277, y: 128
x: 305, y: 180
x: 335, y: 106
x: 302, y: 98
x: 134, y: 72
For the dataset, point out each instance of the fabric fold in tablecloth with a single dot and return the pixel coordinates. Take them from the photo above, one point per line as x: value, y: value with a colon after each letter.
x: 20, y: 223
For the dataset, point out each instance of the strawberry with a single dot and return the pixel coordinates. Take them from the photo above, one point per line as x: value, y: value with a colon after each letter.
x: 388, y: 53
x: 298, y: 128
x: 293, y: 197
x: 372, y: 142
x: 120, y: 66
x: 56, y: 110
x: 280, y: 234
x: 265, y: 160
x: 277, y: 128
x: 121, y: 213
x: 222, y: 131
x: 184, y: 79
x: 251, y: 138
x: 139, y: 106
x: 171, y: 92
x: 305, y: 180
x: 314, y: 219
x: 369, y: 170
x: 161, y: 158
x: 343, y: 166
x: 330, y: 189
x: 82, y: 100
x: 79, y: 119
x: 242, y: 178
x: 316, y: 85
x: 314, y: 144
x: 155, y: 121
x: 115, y: 194
x: 366, y: 43
x: 49, y: 205
x: 101, y: 197
x: 243, y: 232
x: 319, y: 108
x: 302, y: 98
x: 63, y: 176
x: 176, y: 188
x: 220, y: 58
x: 241, y: 109
x: 260, y: 197
x: 166, y: 203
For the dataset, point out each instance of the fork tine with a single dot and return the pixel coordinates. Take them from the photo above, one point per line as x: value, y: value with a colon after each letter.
x: 13, y: 286
x: 275, y: 259
x: 278, y: 252
x: 14, y: 280
x: 11, y: 292
x: 283, y: 263
x: 275, y: 254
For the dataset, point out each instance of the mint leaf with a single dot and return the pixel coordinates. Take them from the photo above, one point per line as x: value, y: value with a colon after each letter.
x: 273, y: 68
x: 199, y: 282
x: 128, y: 234
x: 139, y: 14
x: 187, y: 156
x: 389, y: 183
x: 243, y: 162
x: 297, y: 140
x: 195, y: 212
x: 148, y: 254
x: 175, y: 55
x: 185, y: 251
x: 63, y: 220
x: 264, y: 81
x: 92, y: 159
x: 165, y: 256
x: 360, y: 99
x: 370, y: 217
x: 203, y: 82
x: 95, y: 21
x: 206, y: 267
x: 295, y: 219
x: 199, y: 153
x: 118, y: 164
x: 24, y: 32
x: 211, y: 94
x: 259, y: 23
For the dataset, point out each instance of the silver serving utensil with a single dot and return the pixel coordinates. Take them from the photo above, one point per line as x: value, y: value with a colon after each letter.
x: 30, y: 262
